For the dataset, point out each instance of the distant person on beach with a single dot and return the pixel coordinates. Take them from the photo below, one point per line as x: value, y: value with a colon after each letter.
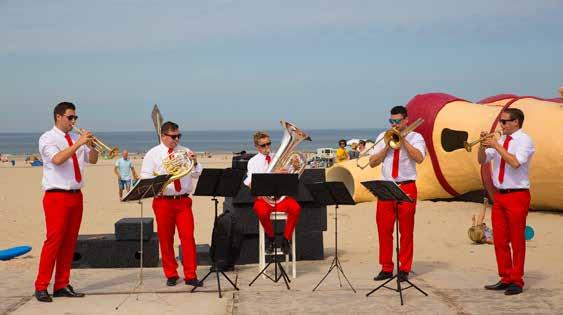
x: 125, y: 173
x: 361, y: 146
x: 173, y: 208
x: 511, y: 155
x: 353, y: 153
x: 399, y: 166
x: 341, y: 153
x: 64, y: 156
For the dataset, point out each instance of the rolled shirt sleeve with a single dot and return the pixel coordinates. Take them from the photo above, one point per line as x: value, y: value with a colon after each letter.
x: 525, y: 150
x: 419, y: 144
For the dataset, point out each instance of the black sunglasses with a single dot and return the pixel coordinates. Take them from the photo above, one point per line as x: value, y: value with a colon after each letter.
x: 504, y: 121
x: 265, y: 145
x: 71, y: 117
x: 174, y: 137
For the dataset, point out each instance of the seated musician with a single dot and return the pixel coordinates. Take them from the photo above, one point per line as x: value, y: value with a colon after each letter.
x: 259, y: 164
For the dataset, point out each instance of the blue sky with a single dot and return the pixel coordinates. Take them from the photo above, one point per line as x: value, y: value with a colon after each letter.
x: 247, y: 64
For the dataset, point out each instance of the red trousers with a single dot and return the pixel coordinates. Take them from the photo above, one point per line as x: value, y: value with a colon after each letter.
x: 63, y: 215
x: 169, y: 214
x: 385, y: 218
x: 288, y: 205
x: 508, y: 216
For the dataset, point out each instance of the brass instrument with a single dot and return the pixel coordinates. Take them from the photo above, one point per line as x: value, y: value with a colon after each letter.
x: 469, y: 145
x: 392, y: 137
x: 104, y: 150
x: 286, y: 158
x: 178, y: 164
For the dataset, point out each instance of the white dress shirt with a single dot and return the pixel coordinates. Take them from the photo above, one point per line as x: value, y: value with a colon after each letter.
x: 407, y: 166
x: 256, y: 165
x: 60, y: 176
x: 523, y: 148
x: 152, y: 166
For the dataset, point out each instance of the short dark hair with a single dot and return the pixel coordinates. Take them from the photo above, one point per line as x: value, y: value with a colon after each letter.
x: 516, y: 113
x: 168, y: 126
x: 61, y: 108
x: 362, y: 142
x: 399, y: 110
x: 341, y: 141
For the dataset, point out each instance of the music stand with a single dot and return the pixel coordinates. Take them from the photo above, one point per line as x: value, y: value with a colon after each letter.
x: 389, y: 190
x: 145, y: 188
x: 216, y: 182
x: 328, y: 194
x: 275, y: 185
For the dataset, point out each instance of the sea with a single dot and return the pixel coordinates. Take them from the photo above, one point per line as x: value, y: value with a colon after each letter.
x: 200, y: 141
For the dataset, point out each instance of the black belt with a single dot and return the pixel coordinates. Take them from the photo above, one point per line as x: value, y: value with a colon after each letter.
x: 405, y: 182
x: 68, y: 191
x: 511, y: 190
x: 174, y: 196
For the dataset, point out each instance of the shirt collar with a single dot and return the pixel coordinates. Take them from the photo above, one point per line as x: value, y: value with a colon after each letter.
x: 57, y: 130
x: 516, y: 134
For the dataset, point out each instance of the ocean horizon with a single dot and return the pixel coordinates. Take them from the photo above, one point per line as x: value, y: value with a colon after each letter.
x: 197, y: 140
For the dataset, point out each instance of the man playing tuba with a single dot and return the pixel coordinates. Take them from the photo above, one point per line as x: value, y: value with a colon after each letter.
x: 399, y: 165
x: 173, y: 207
x: 260, y: 164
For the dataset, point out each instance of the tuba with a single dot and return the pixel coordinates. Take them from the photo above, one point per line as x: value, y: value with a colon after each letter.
x: 107, y: 153
x: 286, y: 158
x: 178, y: 164
x: 392, y: 138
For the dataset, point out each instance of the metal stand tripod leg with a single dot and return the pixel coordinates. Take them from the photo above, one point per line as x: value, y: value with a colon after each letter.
x: 213, y: 268
x: 276, y: 262
x: 399, y: 289
x: 336, y: 261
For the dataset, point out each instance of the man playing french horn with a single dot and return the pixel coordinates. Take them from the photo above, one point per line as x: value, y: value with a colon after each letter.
x: 259, y: 164
x: 399, y: 165
x: 173, y: 207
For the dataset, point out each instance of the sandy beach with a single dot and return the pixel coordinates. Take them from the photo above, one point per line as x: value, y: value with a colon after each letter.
x: 446, y: 264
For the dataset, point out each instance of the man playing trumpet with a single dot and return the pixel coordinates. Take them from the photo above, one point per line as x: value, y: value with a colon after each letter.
x: 511, y: 155
x: 173, y: 208
x: 399, y: 165
x: 64, y: 156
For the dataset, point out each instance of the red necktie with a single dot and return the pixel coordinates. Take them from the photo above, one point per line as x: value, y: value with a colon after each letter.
x: 177, y: 184
x: 502, y: 161
x: 395, y: 171
x: 77, y: 174
x: 268, y: 159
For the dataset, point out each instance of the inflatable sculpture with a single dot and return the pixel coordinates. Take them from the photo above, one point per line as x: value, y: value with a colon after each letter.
x: 450, y: 170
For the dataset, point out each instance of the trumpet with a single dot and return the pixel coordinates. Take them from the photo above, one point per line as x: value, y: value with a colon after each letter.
x: 392, y: 137
x: 105, y: 151
x: 469, y: 145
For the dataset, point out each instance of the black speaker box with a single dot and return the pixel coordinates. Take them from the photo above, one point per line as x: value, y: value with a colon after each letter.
x: 202, y: 251
x: 129, y: 229
x: 104, y: 251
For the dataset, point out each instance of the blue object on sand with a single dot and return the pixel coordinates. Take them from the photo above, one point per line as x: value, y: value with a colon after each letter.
x: 7, y: 254
x: 529, y: 233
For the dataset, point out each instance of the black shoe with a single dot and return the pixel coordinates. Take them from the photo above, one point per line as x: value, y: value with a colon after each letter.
x: 194, y: 282
x: 286, y: 246
x: 497, y: 286
x: 270, y: 245
x: 171, y: 281
x: 403, y: 276
x: 383, y: 275
x: 67, y: 292
x: 513, y: 289
x: 43, y: 296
